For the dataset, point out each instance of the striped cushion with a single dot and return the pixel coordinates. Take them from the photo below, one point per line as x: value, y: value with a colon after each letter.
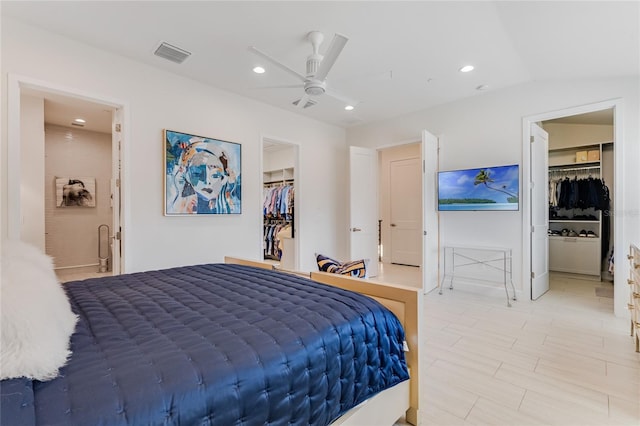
x: 326, y: 264
x: 355, y: 268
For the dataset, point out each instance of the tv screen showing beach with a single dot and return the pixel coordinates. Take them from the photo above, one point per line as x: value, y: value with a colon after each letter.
x: 486, y: 188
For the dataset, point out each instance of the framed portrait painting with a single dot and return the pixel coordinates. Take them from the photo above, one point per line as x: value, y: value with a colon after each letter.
x: 202, y: 175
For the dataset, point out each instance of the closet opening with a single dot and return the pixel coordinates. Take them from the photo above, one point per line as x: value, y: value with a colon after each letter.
x: 581, y: 172
x: 280, y: 224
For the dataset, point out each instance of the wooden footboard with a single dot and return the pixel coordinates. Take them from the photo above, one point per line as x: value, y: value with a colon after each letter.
x: 404, y: 302
x: 238, y: 261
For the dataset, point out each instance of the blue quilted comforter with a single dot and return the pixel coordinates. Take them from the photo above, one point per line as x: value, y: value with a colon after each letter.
x: 214, y: 344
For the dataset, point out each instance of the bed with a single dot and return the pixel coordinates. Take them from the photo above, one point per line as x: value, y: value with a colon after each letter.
x: 226, y: 344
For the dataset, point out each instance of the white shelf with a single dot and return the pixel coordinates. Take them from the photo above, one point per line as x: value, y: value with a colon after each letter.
x: 557, y: 237
x: 572, y: 221
x: 280, y: 175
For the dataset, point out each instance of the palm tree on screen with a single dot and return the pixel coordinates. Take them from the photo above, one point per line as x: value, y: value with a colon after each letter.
x: 483, y: 178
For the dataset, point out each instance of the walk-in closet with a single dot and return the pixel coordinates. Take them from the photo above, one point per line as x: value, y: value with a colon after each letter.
x: 278, y: 207
x: 581, y: 171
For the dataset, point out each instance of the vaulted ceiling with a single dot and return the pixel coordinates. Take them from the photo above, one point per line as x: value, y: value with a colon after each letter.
x: 401, y: 56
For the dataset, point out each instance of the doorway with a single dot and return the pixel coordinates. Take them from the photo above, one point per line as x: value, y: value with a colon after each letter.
x: 586, y: 143
x: 365, y: 220
x: 65, y: 176
x: 280, y: 224
x: 400, y: 214
x: 400, y: 204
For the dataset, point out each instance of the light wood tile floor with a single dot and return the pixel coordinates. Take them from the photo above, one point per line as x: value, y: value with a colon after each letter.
x: 75, y: 274
x: 562, y: 360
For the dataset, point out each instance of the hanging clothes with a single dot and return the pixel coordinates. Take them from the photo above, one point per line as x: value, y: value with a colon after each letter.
x: 278, y: 201
x: 278, y: 211
x: 584, y: 193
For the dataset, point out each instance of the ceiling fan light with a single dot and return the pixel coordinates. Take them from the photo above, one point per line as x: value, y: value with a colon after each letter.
x: 349, y: 107
x: 259, y: 70
x: 80, y: 120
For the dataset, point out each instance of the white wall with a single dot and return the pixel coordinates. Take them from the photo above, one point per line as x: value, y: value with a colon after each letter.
x: 72, y: 232
x: 155, y: 100
x: 32, y: 225
x: 486, y: 129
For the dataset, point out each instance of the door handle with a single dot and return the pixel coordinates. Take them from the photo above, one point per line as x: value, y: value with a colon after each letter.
x: 393, y: 224
x: 356, y: 229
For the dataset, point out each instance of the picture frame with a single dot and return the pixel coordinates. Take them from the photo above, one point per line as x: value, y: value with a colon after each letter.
x: 75, y: 191
x: 202, y: 175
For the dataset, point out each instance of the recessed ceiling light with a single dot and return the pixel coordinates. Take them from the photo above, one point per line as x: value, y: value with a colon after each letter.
x: 79, y: 120
x: 258, y: 70
x: 466, y: 68
x: 482, y: 87
x: 349, y: 107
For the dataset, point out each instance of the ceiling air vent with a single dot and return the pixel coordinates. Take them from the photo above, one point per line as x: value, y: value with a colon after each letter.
x: 310, y: 103
x: 171, y: 53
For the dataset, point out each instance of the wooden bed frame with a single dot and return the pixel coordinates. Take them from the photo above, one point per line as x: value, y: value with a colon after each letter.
x: 405, y: 302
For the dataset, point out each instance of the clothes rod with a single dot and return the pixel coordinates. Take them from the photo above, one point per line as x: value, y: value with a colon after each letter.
x: 573, y: 169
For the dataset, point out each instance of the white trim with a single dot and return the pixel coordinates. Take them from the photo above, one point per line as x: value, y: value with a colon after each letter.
x: 17, y: 83
x: 399, y: 143
x: 618, y: 207
x: 13, y: 158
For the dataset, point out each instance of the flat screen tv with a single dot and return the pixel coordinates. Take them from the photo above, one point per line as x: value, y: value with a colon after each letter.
x: 484, y: 188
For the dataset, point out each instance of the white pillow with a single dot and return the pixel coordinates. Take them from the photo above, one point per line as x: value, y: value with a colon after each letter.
x: 37, y: 320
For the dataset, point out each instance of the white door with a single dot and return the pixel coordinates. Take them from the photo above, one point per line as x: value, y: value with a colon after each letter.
x: 116, y: 185
x: 363, y: 206
x: 539, y: 211
x: 406, y: 211
x: 430, y: 242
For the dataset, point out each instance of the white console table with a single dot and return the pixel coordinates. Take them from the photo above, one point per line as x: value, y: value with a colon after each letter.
x: 459, y: 261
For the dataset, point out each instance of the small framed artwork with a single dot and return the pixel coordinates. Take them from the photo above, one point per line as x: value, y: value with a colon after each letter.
x: 75, y: 192
x: 202, y: 175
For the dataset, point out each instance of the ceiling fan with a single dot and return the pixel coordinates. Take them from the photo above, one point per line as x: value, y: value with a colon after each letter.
x: 314, y: 82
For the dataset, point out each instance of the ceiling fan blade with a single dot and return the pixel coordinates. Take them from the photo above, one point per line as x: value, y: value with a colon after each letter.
x: 330, y: 57
x: 303, y: 101
x: 339, y: 96
x: 280, y: 65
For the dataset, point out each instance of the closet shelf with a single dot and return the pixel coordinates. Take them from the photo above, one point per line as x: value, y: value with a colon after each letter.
x: 572, y: 221
x: 561, y: 237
